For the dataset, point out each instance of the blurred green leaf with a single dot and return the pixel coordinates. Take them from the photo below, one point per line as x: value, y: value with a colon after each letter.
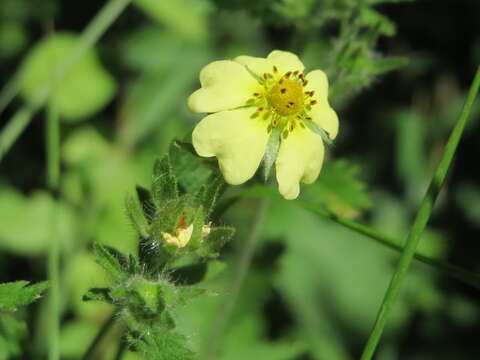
x: 86, y: 89
x: 12, y: 333
x: 186, y: 18
x: 340, y: 189
x: 18, y: 293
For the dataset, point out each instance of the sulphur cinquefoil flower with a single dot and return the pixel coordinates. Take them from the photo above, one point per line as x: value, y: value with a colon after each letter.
x: 250, y: 97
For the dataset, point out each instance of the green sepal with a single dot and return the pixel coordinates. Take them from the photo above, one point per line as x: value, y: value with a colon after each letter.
x: 136, y: 216
x: 191, y: 170
x: 210, y: 192
x: 112, y: 261
x: 318, y: 130
x: 14, y: 294
x: 146, y: 202
x: 98, y: 294
x: 164, y: 186
x: 217, y: 238
x: 271, y: 151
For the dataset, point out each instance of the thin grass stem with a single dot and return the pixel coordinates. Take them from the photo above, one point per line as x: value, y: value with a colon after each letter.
x: 420, y: 223
x: 100, y: 335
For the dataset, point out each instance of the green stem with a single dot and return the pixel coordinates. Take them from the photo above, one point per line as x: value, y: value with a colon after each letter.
x: 8, y: 92
x: 420, y: 222
x: 53, y: 177
x: 122, y: 347
x: 101, y: 333
x: 89, y: 37
x: 245, y: 258
x: 454, y: 271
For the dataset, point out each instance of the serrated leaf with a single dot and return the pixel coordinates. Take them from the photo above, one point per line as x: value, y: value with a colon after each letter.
x: 318, y: 130
x: 146, y: 203
x: 98, y: 294
x: 271, y: 151
x: 111, y: 260
x: 387, y: 64
x: 161, y: 344
x: 217, y: 238
x: 15, y: 294
x: 164, y: 187
x: 340, y: 190
x: 209, y: 193
x: 190, y: 169
x: 136, y: 216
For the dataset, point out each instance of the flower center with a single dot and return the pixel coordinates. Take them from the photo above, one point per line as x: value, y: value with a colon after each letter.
x: 286, y: 97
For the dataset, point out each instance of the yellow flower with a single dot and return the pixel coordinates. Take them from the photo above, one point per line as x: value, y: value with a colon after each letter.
x: 248, y: 98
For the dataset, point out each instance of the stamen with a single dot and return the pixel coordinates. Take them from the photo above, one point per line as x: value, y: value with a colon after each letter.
x: 266, y: 115
x: 281, y: 81
x: 305, y: 83
x: 274, y: 122
x: 291, y: 126
x: 285, y: 134
x: 275, y: 69
x: 283, y: 91
x: 287, y: 75
x: 313, y: 102
x: 260, y: 109
x: 296, y: 72
x: 254, y: 115
x: 256, y: 94
x: 308, y: 118
x: 265, y: 76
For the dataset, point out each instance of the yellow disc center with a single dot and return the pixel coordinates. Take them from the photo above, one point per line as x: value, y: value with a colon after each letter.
x: 286, y: 97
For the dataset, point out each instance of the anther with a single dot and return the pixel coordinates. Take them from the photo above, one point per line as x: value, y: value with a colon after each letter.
x: 313, y: 102
x: 275, y: 69
x: 305, y: 83
x: 308, y: 118
x: 283, y: 91
x: 291, y: 126
x: 265, y: 76
x: 260, y: 108
x: 296, y: 72
x: 287, y: 75
x: 256, y: 94
x: 254, y: 115
x: 281, y: 81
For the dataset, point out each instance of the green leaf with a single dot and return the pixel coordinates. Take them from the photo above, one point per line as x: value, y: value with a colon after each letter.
x: 387, y: 64
x: 98, y: 294
x: 84, y: 90
x: 12, y: 332
x: 14, y: 294
x: 161, y: 344
x: 189, y: 168
x: 111, y: 260
x: 210, y: 192
x: 217, y: 238
x: 271, y: 151
x: 317, y: 130
x: 339, y: 189
x: 146, y: 202
x: 164, y: 186
x: 136, y: 216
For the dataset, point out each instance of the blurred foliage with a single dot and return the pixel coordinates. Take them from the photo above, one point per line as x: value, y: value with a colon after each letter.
x: 313, y: 288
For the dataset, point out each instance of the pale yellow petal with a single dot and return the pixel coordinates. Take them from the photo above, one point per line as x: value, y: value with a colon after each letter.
x: 257, y: 65
x: 225, y: 85
x: 285, y: 61
x: 300, y: 158
x: 235, y: 139
x: 323, y: 115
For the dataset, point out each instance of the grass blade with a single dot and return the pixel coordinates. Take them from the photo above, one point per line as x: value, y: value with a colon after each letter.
x: 420, y: 222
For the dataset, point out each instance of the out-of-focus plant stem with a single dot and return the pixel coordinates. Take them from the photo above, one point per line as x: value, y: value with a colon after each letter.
x: 53, y: 179
x: 101, y: 333
x: 20, y: 120
x: 420, y: 222
x: 244, y: 260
